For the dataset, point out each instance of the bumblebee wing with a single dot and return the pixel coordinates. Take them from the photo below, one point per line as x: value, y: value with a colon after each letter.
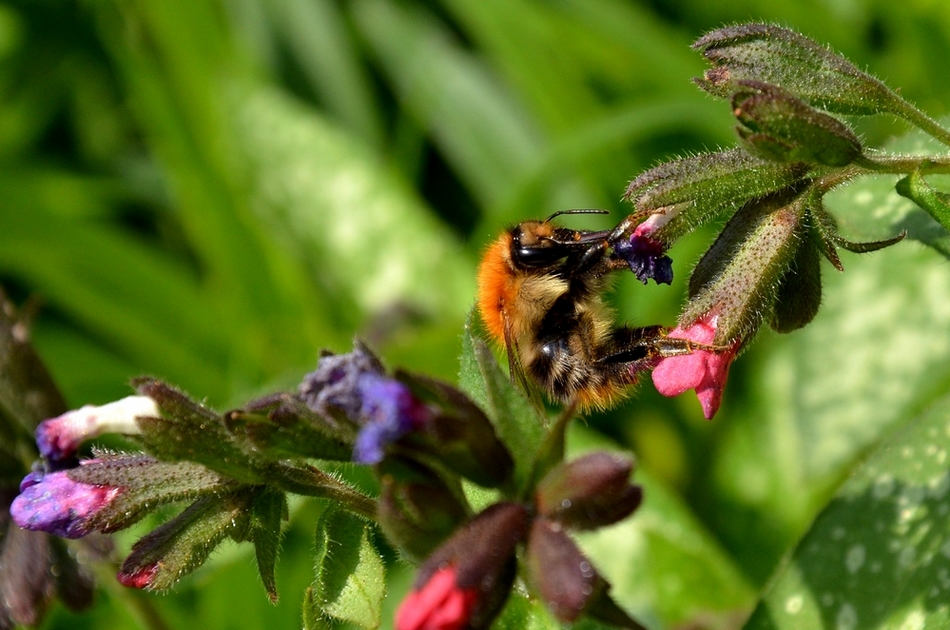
x: 516, y: 369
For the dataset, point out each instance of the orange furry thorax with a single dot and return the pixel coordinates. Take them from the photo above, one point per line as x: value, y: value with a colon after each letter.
x: 497, y: 286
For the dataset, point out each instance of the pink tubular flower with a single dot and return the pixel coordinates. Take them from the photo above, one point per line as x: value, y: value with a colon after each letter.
x: 439, y: 604
x: 58, y: 438
x: 702, y: 370
x: 58, y: 505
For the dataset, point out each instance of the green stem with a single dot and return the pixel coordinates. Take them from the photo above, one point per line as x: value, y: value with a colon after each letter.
x: 916, y: 117
x: 877, y: 162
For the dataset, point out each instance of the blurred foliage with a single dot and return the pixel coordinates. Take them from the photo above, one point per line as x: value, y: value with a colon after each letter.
x: 212, y: 192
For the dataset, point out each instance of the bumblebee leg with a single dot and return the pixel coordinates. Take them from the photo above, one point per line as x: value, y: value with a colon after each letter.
x: 592, y: 256
x: 643, y: 345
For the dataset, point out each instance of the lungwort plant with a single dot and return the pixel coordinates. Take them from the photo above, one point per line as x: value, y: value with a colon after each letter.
x: 474, y: 483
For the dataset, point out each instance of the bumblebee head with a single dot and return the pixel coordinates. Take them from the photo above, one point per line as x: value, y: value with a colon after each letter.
x: 540, y: 244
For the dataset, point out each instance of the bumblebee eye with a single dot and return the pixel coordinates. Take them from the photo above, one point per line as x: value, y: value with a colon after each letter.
x: 539, y: 255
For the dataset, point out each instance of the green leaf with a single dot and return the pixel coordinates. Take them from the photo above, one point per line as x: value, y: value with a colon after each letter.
x: 474, y: 120
x: 124, y: 291
x: 871, y: 209
x: 517, y: 421
x: 267, y: 511
x: 522, y: 613
x: 317, y: 36
x: 916, y: 188
x: 876, y: 557
x: 350, y: 576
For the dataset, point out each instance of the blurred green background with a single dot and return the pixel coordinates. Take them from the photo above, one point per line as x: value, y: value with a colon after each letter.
x: 212, y: 192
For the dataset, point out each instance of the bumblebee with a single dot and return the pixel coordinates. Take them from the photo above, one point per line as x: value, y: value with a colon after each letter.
x: 540, y: 290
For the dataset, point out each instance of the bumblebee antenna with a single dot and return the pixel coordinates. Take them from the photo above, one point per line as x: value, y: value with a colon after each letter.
x: 577, y: 211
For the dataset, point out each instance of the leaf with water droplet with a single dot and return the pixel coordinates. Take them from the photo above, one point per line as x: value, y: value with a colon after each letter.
x: 878, y: 556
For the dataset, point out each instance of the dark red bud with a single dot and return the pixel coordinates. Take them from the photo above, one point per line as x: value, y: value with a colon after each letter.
x: 559, y: 572
x: 589, y: 492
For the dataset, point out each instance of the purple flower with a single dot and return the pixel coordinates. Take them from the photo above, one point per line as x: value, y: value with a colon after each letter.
x: 59, y: 438
x: 355, y: 384
x: 645, y: 255
x: 56, y: 504
x: 388, y: 411
x: 335, y: 382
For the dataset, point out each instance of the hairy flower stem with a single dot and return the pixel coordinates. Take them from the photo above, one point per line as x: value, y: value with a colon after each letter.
x: 878, y: 162
x: 924, y: 122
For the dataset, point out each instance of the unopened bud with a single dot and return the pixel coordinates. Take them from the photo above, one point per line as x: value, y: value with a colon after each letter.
x: 458, y: 433
x: 475, y: 567
x: 771, y: 54
x: 591, y: 491
x: 737, y: 278
x: 418, y: 513
x: 181, y: 545
x: 776, y: 125
x: 559, y: 572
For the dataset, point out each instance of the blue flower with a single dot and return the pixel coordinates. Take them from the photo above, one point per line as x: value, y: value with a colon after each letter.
x: 388, y: 411
x: 335, y: 382
x: 646, y: 257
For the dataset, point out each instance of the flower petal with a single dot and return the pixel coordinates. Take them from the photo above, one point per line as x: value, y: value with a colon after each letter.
x: 702, y: 370
x: 60, y: 506
x: 438, y: 605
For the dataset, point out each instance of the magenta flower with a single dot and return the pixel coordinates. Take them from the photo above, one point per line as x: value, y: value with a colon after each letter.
x: 59, y: 438
x: 60, y: 506
x: 645, y: 255
x: 439, y: 604
x: 702, y: 370
x: 464, y: 583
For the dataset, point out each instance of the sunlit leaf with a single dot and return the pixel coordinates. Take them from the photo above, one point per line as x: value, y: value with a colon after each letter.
x: 368, y: 241
x: 518, y: 423
x: 350, y: 576
x: 876, y: 557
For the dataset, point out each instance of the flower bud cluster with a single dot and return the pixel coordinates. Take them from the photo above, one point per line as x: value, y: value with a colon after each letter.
x: 465, y: 581
x: 234, y: 469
